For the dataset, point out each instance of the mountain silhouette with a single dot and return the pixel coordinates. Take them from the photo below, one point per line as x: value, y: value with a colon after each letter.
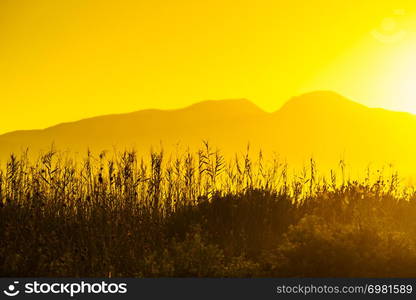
x: 323, y: 125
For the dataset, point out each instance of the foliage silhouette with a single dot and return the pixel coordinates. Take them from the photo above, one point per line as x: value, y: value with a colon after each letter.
x: 198, y: 215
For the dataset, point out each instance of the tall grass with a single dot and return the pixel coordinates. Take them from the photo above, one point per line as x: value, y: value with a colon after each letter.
x: 198, y: 214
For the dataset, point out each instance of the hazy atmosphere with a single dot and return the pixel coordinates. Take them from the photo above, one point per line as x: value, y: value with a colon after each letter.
x: 64, y: 61
x: 207, y: 139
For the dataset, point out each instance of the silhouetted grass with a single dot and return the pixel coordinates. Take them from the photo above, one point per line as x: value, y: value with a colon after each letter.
x: 199, y: 215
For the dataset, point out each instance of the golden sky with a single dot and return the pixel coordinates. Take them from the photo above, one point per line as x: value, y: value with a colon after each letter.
x: 67, y: 60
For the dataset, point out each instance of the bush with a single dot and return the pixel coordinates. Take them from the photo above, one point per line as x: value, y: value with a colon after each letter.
x: 196, y: 216
x: 316, y: 248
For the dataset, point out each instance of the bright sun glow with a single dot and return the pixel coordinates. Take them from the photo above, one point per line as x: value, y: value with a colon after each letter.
x: 98, y: 57
x: 405, y: 80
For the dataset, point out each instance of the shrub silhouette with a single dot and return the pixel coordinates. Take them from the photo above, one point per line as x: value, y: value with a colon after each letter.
x: 198, y: 215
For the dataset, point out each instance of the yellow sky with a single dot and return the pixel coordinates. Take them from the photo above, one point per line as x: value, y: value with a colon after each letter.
x: 67, y: 60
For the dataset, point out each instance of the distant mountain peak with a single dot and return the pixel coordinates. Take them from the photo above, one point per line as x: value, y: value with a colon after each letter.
x: 323, y: 125
x: 322, y: 93
x: 321, y: 101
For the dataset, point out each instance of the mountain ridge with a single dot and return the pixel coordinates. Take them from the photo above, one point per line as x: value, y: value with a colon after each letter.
x: 191, y: 107
x: 321, y: 124
x: 223, y: 102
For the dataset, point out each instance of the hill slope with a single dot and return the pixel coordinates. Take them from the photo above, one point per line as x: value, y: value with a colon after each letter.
x: 324, y: 125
